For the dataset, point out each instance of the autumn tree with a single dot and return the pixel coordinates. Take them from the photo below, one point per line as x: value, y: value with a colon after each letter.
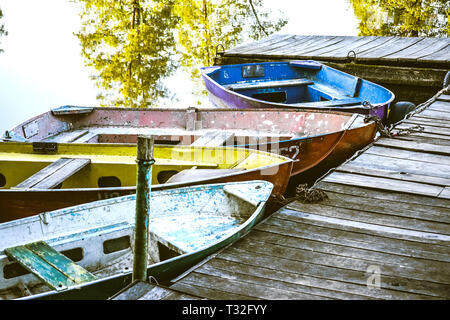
x: 129, y: 44
x: 402, y: 17
x: 3, y: 32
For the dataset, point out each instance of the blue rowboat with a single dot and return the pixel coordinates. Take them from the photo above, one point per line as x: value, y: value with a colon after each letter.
x: 294, y: 84
x: 186, y: 225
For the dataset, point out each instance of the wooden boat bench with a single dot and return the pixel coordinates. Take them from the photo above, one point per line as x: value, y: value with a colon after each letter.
x: 335, y: 94
x: 269, y: 84
x: 183, y: 235
x: 214, y: 139
x: 55, y: 173
x: 54, y: 269
x: 325, y: 104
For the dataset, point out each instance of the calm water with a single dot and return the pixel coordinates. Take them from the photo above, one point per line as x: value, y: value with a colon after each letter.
x: 41, y: 66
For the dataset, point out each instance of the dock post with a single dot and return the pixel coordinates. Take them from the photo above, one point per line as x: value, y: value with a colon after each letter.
x: 144, y: 159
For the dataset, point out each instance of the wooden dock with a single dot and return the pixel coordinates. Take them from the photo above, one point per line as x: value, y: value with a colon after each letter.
x: 382, y: 233
x: 413, y: 67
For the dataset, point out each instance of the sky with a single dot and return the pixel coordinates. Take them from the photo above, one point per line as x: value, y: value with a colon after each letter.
x: 41, y: 67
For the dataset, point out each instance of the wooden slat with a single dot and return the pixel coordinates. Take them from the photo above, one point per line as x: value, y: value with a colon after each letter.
x: 251, y: 275
x: 441, y: 55
x: 299, y: 45
x: 435, y: 114
x: 288, y: 226
x: 255, y: 290
x: 425, y: 122
x: 414, y: 146
x: 359, y: 43
x: 39, y: 267
x: 266, y: 47
x: 419, y: 49
x: 383, y: 183
x: 60, y: 262
x: 327, y: 104
x: 250, y: 45
x: 408, y: 154
x: 394, y: 46
x: 269, y: 84
x: 309, y: 268
x: 444, y: 97
x: 445, y: 194
x: 156, y: 293
x: 402, y: 165
x: 367, y: 228
x: 55, y: 173
x: 427, y: 138
x: 302, y: 240
x: 387, y: 207
x: 377, y: 195
x: 366, y: 169
x: 374, y: 215
x: 304, y: 46
x: 134, y: 291
x: 444, y: 132
x: 332, y: 259
x: 275, y: 48
x: 207, y: 292
x: 443, y: 106
x: 329, y: 288
x: 341, y: 49
x: 434, y: 121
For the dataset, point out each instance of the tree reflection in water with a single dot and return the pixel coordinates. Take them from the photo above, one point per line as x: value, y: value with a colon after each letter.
x: 406, y: 18
x: 133, y: 45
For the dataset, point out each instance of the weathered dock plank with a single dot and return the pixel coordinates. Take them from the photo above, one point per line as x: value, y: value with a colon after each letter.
x: 147, y: 291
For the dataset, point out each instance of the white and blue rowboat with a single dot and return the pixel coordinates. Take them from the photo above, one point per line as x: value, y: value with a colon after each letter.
x: 186, y: 225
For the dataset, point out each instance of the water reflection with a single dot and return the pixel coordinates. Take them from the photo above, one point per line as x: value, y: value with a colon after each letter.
x: 135, y: 45
x: 3, y: 32
x: 426, y: 18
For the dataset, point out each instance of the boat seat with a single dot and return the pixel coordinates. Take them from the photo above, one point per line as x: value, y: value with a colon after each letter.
x: 53, y: 268
x: 54, y: 174
x: 184, y: 235
x: 196, y: 174
x: 67, y: 136
x: 269, y: 84
x: 327, y: 104
x: 214, y: 139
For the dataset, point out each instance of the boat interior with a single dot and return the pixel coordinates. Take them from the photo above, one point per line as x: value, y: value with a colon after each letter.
x: 98, y: 236
x: 207, y: 127
x: 37, y: 165
x: 296, y: 83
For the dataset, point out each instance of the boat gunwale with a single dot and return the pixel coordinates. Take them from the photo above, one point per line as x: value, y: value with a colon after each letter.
x: 242, y: 229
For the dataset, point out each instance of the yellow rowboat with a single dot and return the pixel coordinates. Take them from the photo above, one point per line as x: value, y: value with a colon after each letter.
x: 38, y: 177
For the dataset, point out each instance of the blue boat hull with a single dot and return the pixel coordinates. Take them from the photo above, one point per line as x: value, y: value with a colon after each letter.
x: 294, y: 84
